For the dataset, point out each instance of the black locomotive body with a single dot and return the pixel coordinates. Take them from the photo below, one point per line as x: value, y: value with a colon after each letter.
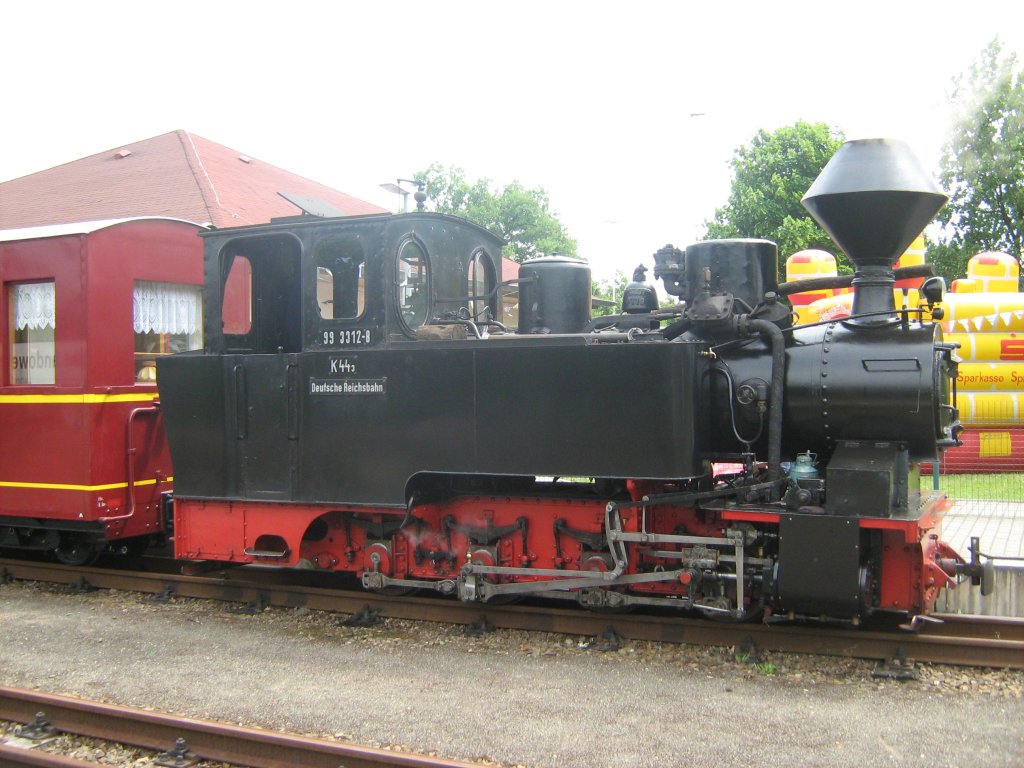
x: 360, y: 407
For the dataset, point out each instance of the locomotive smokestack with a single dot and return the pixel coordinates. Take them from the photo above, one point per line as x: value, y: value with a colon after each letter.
x: 873, y: 198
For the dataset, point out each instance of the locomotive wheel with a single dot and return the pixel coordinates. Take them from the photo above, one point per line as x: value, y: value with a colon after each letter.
x: 751, y: 614
x: 75, y: 551
x: 485, y: 556
x: 504, y: 600
x: 130, y: 549
x: 610, y: 611
x: 380, y: 555
x: 754, y: 612
x: 395, y: 591
x: 589, y: 599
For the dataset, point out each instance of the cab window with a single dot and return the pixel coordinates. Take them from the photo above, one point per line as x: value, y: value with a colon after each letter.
x: 237, y: 301
x: 340, y: 279
x: 413, y: 285
x: 261, y: 294
x: 480, y: 284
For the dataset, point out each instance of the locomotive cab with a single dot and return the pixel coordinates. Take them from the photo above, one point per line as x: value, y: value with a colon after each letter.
x: 368, y: 344
x: 355, y: 282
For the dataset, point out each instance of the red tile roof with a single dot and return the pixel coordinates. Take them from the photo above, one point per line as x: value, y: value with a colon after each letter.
x: 176, y: 174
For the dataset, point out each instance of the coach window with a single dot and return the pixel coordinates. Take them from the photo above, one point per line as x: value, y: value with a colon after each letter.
x: 413, y: 284
x: 340, y: 279
x: 168, y: 318
x: 33, y: 323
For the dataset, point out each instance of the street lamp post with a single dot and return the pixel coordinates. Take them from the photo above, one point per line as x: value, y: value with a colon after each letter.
x: 420, y: 197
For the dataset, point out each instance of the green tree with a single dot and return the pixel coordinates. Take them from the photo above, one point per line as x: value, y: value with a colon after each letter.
x: 610, y: 289
x: 949, y: 260
x: 523, y: 217
x: 770, y: 176
x: 983, y: 163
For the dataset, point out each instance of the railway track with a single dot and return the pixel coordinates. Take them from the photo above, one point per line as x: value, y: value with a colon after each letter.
x: 180, y: 740
x: 962, y: 640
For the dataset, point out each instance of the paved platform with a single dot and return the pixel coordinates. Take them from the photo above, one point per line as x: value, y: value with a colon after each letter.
x: 1000, y: 526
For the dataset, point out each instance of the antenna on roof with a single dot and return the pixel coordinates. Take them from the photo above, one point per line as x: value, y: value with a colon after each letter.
x: 311, y: 206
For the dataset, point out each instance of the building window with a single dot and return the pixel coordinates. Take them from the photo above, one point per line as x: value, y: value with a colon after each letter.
x: 413, y: 285
x: 33, y: 327
x: 168, y: 318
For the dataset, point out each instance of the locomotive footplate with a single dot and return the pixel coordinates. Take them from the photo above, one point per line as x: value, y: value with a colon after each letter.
x: 819, y: 565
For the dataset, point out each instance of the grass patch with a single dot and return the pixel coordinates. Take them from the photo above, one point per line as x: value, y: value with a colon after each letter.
x: 1005, y: 486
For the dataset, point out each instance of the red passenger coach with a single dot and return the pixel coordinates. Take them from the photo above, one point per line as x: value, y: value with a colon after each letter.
x: 85, y: 310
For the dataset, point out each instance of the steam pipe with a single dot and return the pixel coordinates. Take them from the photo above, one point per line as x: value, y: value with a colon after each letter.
x: 872, y: 296
x: 773, y: 334
x: 677, y: 329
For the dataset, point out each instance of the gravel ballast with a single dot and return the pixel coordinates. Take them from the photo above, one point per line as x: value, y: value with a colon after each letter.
x: 514, y: 698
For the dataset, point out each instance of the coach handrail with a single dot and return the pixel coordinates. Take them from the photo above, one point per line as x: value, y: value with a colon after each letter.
x: 143, y: 410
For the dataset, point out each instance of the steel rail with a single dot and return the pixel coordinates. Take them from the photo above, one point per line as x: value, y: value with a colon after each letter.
x: 963, y: 625
x: 207, y: 740
x: 15, y: 756
x: 961, y: 640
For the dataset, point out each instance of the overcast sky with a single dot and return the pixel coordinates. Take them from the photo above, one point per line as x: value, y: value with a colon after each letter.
x: 627, y: 113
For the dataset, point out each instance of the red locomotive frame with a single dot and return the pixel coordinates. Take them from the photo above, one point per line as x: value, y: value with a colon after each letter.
x: 367, y: 542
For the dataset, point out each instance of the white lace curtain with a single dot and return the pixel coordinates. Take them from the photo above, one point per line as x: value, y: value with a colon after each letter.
x: 34, y: 306
x: 166, y: 308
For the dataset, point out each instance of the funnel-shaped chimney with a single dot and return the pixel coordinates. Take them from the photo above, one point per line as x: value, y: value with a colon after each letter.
x: 873, y: 198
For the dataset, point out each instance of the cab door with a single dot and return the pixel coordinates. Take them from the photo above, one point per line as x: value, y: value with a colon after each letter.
x: 262, y: 337
x: 267, y: 425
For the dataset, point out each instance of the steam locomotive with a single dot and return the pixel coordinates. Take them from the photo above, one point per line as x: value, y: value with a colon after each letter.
x: 360, y: 406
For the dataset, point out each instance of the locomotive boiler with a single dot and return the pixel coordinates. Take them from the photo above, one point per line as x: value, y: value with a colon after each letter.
x: 365, y: 403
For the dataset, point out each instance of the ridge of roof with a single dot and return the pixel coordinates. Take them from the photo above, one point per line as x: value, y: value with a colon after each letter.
x: 182, y: 135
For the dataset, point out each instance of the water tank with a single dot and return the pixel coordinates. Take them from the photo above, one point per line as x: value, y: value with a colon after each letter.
x: 554, y: 295
x: 745, y: 268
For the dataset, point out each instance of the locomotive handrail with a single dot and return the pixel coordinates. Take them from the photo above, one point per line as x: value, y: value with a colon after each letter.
x: 773, y: 335
x: 144, y: 410
x: 845, y: 281
x: 690, y: 497
x: 831, y: 321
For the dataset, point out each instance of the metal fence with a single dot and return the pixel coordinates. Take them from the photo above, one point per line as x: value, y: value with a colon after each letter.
x: 985, y: 479
x: 988, y: 466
